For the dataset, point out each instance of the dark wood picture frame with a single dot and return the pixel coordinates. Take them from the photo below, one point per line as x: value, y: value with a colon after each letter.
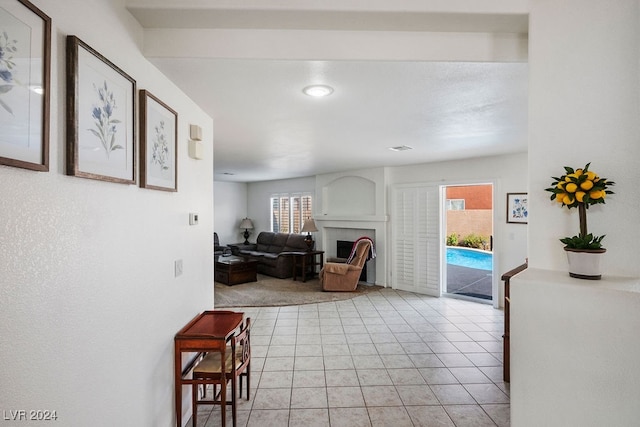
x: 24, y: 118
x: 158, y: 144
x: 517, y: 209
x: 101, y: 117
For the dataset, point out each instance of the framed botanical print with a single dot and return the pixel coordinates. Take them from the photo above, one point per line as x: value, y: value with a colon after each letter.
x: 101, y: 134
x: 25, y: 65
x: 517, y: 209
x: 158, y: 144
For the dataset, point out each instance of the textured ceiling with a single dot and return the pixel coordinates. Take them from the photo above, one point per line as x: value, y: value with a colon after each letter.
x: 266, y: 128
x: 448, y: 79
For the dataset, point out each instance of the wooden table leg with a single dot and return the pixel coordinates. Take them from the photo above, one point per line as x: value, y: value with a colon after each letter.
x: 223, y: 398
x: 304, y: 267
x: 295, y: 267
x: 178, y: 385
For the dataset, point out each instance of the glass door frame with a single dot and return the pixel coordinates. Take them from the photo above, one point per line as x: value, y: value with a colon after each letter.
x: 443, y: 239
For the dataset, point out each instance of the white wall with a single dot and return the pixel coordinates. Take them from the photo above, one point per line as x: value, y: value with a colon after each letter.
x: 584, y: 106
x: 229, y: 206
x: 509, y: 173
x: 574, y: 350
x: 89, y: 300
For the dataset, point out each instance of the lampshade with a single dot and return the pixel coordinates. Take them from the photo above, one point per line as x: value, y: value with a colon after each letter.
x: 246, y: 224
x: 309, y: 226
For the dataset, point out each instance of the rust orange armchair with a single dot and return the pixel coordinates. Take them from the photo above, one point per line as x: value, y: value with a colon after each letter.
x: 336, y: 276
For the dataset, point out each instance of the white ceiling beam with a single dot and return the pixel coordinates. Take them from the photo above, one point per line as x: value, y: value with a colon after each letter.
x: 330, y: 20
x: 439, y: 6
x: 335, y: 45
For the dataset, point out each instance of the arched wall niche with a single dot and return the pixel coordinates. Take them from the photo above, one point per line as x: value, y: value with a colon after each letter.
x: 349, y: 196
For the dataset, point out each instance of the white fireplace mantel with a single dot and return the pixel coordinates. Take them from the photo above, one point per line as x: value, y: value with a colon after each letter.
x: 351, y: 205
x: 360, y: 218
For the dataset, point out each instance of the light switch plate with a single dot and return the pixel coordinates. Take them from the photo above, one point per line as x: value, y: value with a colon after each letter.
x: 177, y: 265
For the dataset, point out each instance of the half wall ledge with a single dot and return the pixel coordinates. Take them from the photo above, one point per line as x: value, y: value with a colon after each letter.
x: 574, y: 343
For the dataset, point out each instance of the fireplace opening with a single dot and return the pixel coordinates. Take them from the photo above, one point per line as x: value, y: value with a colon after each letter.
x: 343, y: 250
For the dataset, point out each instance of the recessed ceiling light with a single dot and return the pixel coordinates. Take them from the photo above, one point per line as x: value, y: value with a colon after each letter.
x: 401, y: 148
x: 318, y: 91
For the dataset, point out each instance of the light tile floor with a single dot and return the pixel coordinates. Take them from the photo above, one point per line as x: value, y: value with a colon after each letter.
x: 388, y: 358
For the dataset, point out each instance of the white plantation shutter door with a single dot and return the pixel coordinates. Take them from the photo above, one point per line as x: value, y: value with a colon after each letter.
x: 415, y: 239
x: 403, y: 239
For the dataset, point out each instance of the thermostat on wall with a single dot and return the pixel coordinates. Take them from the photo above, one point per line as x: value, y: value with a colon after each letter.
x: 193, y: 219
x: 195, y: 132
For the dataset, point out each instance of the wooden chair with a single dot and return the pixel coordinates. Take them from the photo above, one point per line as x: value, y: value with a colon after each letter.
x: 216, y: 370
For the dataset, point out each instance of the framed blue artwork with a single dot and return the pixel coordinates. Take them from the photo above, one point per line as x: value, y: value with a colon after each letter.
x: 517, y: 210
x: 25, y: 66
x: 158, y: 144
x: 101, y: 116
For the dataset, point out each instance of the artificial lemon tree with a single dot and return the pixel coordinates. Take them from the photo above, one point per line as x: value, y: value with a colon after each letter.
x: 580, y: 188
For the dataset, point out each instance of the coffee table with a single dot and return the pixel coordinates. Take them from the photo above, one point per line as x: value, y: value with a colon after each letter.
x: 233, y: 270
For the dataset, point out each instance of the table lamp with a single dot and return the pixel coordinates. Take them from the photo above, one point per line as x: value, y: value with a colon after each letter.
x: 247, y: 225
x: 310, y: 227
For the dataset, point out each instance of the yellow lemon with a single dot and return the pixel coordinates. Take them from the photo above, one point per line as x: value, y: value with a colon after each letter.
x: 591, y: 176
x: 587, y: 185
x: 567, y: 199
x: 560, y: 185
x: 560, y: 197
x: 567, y: 178
x: 596, y: 194
x: 571, y: 187
x: 578, y: 172
x: 580, y: 196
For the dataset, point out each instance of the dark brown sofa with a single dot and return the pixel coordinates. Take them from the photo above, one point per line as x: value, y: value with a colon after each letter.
x: 270, y: 250
x: 217, y: 249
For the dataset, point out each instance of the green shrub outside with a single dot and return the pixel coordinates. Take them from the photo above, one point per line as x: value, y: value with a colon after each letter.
x: 475, y: 241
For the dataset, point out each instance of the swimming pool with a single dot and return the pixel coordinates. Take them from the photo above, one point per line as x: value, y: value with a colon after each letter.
x: 471, y: 258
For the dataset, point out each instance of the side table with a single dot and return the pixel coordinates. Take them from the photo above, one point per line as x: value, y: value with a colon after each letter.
x: 308, y: 261
x: 209, y: 331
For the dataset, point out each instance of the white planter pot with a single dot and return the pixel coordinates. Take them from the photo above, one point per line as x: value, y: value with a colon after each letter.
x: 585, y: 263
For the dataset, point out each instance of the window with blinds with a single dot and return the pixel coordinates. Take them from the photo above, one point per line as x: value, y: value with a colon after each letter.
x: 289, y: 211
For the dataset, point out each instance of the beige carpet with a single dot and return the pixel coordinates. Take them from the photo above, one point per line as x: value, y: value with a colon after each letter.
x: 269, y: 292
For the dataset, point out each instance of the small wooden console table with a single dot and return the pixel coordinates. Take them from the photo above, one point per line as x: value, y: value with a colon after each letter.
x: 208, y: 331
x: 506, y: 343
